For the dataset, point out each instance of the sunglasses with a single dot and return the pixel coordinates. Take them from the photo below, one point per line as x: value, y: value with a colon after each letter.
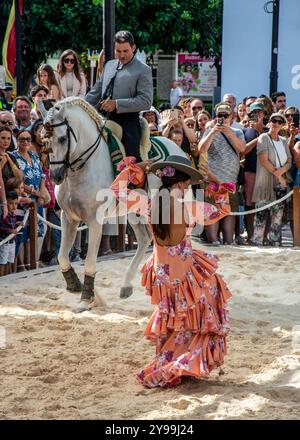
x: 277, y: 121
x: 23, y: 139
x: 223, y: 116
x: 69, y: 60
x: 7, y: 123
x: 290, y: 114
x: 197, y: 108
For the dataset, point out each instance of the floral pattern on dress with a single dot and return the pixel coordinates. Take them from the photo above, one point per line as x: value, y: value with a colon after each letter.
x: 163, y: 273
x: 189, y: 325
x: 183, y: 250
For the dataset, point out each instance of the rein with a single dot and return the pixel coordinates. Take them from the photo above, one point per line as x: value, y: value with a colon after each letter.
x: 66, y: 161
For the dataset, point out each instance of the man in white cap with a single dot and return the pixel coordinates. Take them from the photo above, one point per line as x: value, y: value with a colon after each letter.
x: 6, y: 100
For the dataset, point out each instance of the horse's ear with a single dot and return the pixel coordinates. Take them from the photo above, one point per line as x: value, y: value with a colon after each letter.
x: 41, y: 108
x: 62, y: 113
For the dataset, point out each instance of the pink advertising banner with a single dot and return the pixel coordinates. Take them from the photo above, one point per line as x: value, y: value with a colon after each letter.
x: 196, y: 76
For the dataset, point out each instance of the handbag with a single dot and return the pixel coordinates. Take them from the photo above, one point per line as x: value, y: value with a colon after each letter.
x: 47, y: 197
x: 287, y: 176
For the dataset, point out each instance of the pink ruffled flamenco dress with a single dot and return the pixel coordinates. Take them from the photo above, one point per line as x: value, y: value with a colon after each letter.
x: 190, y: 324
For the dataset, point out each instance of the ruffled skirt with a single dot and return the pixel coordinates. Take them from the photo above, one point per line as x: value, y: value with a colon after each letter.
x: 189, y: 325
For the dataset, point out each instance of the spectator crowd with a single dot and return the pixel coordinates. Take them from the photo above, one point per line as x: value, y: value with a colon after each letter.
x: 253, y: 143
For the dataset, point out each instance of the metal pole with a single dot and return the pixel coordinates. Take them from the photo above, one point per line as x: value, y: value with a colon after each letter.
x: 274, y: 53
x: 108, y: 28
x: 296, y: 215
x: 19, y: 75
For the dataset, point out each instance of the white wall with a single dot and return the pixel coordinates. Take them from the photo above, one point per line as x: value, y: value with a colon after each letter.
x: 247, y: 41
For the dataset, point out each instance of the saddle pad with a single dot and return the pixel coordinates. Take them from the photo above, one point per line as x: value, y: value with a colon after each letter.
x: 114, y: 150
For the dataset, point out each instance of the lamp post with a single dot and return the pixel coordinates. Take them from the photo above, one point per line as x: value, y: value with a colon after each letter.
x: 108, y: 28
x: 274, y: 53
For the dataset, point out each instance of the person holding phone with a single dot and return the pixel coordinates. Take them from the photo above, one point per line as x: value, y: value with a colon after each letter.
x: 224, y: 145
x: 256, y: 127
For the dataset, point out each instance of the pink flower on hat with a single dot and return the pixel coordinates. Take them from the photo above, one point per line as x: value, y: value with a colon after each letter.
x: 167, y: 171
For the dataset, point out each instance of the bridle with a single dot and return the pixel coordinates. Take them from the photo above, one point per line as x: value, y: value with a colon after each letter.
x: 66, y: 161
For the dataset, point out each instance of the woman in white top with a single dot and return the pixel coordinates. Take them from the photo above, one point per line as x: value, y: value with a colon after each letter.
x: 274, y: 161
x: 70, y: 76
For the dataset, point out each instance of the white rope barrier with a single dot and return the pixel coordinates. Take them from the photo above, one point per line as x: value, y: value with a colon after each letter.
x: 252, y: 211
x: 10, y: 236
x: 52, y: 225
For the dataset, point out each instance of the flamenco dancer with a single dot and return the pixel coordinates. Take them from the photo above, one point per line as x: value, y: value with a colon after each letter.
x: 189, y: 325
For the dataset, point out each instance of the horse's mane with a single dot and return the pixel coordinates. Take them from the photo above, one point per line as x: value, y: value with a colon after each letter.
x: 72, y: 101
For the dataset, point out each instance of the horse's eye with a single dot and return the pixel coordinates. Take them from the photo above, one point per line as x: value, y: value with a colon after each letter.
x: 62, y: 139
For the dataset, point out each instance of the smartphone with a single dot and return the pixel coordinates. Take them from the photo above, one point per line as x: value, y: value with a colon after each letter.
x: 253, y: 117
x: 220, y: 121
x: 174, y: 114
x: 296, y: 120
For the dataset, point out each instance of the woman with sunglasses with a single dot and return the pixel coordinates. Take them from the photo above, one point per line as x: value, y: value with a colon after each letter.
x: 274, y: 161
x: 34, y: 180
x: 8, y: 164
x: 70, y: 76
x: 29, y: 162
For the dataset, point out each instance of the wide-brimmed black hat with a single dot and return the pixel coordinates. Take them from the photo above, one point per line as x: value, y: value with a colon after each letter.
x: 180, y: 163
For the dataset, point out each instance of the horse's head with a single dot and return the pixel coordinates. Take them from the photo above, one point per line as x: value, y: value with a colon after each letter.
x: 60, y: 140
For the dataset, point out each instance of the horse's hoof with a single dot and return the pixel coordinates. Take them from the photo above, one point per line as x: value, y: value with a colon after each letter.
x: 83, y: 306
x: 72, y: 280
x: 75, y: 288
x: 126, y: 292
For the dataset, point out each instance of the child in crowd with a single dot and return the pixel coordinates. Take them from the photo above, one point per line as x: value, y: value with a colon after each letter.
x: 22, y: 239
x: 8, y: 225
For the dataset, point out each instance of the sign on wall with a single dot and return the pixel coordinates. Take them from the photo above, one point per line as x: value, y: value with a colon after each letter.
x: 196, y: 76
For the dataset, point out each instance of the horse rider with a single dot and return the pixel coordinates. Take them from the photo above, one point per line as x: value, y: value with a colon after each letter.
x: 123, y: 90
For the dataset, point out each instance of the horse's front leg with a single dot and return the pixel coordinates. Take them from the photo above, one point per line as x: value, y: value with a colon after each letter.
x: 144, y: 238
x: 87, y: 295
x: 68, y: 234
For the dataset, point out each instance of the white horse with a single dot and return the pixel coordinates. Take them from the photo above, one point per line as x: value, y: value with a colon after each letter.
x: 80, y: 166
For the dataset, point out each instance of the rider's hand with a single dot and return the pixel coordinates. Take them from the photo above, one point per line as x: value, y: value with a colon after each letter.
x: 109, y: 105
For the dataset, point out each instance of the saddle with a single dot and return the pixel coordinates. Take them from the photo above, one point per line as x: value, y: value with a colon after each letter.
x: 145, y: 143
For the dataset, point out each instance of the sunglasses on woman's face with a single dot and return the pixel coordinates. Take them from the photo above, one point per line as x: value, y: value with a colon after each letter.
x: 69, y: 60
x: 24, y: 139
x: 277, y: 121
x: 289, y: 115
x: 225, y: 116
x: 7, y: 123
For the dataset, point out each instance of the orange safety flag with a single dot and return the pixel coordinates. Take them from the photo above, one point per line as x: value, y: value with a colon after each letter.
x: 9, y: 44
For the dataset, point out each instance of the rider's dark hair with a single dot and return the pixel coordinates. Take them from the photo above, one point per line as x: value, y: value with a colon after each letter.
x: 124, y: 37
x: 160, y: 228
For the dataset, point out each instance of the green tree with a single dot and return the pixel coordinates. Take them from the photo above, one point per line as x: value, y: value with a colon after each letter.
x: 169, y: 25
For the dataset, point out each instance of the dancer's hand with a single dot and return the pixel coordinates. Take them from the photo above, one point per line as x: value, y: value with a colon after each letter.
x: 145, y: 165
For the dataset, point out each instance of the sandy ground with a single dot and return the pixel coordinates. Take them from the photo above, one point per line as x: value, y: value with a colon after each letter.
x: 58, y: 365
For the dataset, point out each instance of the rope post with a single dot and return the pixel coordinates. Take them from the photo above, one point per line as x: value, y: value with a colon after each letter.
x: 121, y: 237
x: 296, y: 215
x: 33, y: 236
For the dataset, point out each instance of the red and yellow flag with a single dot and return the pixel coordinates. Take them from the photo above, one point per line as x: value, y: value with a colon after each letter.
x: 9, y: 44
